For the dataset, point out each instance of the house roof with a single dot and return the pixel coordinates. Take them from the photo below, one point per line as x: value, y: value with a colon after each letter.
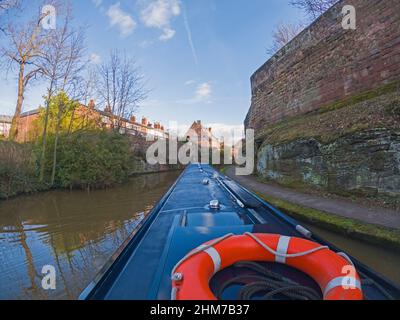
x: 30, y: 112
x: 4, y: 118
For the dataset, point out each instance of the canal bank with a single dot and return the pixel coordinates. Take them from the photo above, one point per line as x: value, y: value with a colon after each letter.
x: 75, y: 231
x: 376, y: 246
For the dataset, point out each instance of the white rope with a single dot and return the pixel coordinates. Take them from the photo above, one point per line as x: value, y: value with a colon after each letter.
x: 283, y: 255
x: 200, y: 249
x: 343, y: 255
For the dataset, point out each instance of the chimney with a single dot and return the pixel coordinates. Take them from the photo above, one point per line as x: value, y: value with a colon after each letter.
x: 91, y: 104
x: 107, y: 109
x: 133, y: 119
x: 144, y: 121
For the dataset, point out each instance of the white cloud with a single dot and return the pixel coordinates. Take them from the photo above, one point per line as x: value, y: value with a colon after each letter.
x: 159, y: 14
x: 95, y: 59
x: 145, y: 44
x: 203, y: 91
x: 190, y: 82
x: 121, y: 19
x: 167, y: 34
x: 229, y: 133
x: 97, y: 2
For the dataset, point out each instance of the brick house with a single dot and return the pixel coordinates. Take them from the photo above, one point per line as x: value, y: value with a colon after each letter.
x: 5, y: 126
x: 203, y: 135
x: 102, y: 118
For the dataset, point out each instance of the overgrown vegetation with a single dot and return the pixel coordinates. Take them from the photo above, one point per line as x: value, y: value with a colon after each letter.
x: 17, y: 169
x: 368, y: 110
x: 349, y: 227
x: 90, y: 159
x: 86, y: 159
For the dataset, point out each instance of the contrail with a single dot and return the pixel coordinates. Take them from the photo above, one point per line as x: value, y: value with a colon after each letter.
x: 189, y: 34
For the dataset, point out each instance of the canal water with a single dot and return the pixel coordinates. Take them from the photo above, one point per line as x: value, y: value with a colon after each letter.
x: 382, y: 260
x: 78, y: 231
x: 74, y: 231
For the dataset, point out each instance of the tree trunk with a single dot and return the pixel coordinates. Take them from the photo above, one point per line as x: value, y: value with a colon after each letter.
x: 53, y: 171
x: 44, y: 137
x: 20, y: 100
x: 71, y: 121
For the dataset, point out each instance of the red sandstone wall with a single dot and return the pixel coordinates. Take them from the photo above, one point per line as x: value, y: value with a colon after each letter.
x: 326, y: 63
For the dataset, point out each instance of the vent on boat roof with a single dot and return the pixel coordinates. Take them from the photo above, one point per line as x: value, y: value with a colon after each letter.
x: 214, y: 205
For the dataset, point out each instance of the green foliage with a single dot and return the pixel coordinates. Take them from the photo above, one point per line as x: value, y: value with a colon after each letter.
x: 17, y: 169
x: 65, y: 112
x: 90, y: 159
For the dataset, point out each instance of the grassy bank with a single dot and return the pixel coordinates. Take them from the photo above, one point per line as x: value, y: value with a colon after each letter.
x: 370, y: 110
x: 349, y: 227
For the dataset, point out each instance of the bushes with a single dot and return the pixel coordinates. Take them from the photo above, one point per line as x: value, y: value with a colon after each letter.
x: 85, y: 159
x: 90, y: 159
x: 17, y: 169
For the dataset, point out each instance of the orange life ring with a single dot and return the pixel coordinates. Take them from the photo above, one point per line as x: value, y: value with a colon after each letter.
x: 191, y: 276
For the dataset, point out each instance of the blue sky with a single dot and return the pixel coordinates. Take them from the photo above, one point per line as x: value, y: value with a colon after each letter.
x: 197, y: 55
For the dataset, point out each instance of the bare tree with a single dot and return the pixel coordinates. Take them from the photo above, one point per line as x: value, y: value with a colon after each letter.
x: 21, y: 51
x: 282, y: 35
x: 61, y: 64
x: 121, y: 86
x: 5, y: 7
x: 8, y: 4
x: 314, y: 8
x: 84, y: 92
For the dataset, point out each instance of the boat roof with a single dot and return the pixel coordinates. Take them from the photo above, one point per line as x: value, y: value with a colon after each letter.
x: 182, y: 221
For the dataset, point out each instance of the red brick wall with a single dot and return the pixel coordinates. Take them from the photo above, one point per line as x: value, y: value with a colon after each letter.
x: 25, y: 128
x: 326, y: 63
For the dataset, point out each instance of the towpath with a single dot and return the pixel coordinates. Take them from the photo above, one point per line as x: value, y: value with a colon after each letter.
x: 340, y: 207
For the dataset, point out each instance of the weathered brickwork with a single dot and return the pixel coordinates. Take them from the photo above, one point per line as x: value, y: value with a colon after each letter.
x: 326, y: 63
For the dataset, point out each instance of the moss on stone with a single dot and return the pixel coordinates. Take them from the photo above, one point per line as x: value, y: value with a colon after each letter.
x: 378, y: 235
x: 364, y: 96
x: 393, y: 109
x: 365, y: 112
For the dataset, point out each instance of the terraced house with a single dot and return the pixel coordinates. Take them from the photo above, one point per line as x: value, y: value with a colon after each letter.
x: 104, y: 119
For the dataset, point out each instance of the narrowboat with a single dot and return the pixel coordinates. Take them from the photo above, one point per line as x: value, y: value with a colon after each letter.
x: 210, y: 238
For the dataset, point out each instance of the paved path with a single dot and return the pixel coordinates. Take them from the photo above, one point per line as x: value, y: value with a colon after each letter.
x: 340, y: 207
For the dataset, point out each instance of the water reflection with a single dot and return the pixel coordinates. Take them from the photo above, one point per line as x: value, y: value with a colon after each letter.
x: 75, y: 231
